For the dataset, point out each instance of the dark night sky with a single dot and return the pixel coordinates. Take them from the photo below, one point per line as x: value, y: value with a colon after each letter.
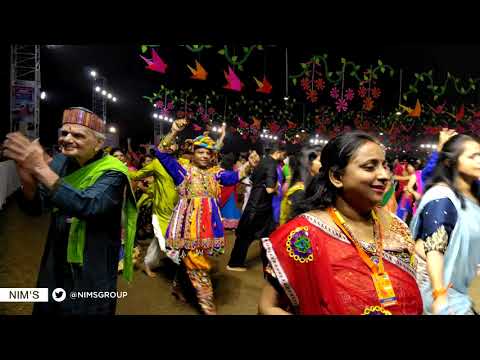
x: 65, y: 74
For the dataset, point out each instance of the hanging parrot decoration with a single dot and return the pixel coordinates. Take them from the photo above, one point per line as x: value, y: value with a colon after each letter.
x: 460, y: 113
x: 263, y: 86
x: 199, y: 72
x: 413, y: 112
x: 155, y: 63
x: 274, y: 127
x: 291, y: 125
x: 257, y: 123
x: 242, y: 124
x: 438, y: 109
x: 234, y: 82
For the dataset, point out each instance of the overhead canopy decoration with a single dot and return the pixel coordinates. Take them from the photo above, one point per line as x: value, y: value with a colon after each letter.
x: 326, y: 97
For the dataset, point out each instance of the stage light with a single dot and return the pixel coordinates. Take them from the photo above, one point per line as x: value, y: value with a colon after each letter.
x: 109, y: 95
x: 398, y: 113
x: 381, y: 134
x: 98, y: 88
x: 112, y: 129
x: 93, y: 73
x: 156, y: 115
x: 43, y: 95
x: 104, y: 92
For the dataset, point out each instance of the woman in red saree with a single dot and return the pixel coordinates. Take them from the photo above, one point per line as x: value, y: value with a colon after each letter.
x: 343, y: 255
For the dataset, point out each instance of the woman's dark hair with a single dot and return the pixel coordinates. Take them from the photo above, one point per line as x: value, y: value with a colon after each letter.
x: 276, y: 147
x: 228, y: 160
x: 242, y: 156
x: 312, y: 156
x: 295, y: 165
x: 446, y: 170
x: 320, y: 192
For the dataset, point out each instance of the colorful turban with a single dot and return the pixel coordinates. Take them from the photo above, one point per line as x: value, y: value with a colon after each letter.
x: 205, y: 141
x: 81, y: 116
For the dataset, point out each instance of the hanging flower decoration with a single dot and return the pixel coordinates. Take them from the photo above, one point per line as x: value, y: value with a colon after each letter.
x: 334, y: 93
x: 349, y: 94
x: 362, y: 92
x: 367, y: 104
x: 342, y: 105
x: 312, y: 96
x: 203, y: 114
x: 205, y: 117
x: 376, y: 92
x: 305, y: 83
x: 320, y: 84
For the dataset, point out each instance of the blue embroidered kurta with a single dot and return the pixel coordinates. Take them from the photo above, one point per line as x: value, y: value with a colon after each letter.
x: 100, y: 205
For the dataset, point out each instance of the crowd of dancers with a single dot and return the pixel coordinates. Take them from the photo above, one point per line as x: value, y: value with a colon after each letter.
x: 344, y: 229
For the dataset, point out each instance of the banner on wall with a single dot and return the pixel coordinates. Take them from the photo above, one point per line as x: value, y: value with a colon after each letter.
x: 23, y: 109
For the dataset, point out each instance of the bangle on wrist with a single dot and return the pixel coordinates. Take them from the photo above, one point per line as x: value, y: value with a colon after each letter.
x: 441, y: 291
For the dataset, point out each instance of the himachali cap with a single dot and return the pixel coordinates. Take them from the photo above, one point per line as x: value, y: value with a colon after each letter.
x: 82, y: 116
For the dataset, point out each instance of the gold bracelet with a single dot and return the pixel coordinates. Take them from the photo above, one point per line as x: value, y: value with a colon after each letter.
x: 439, y: 292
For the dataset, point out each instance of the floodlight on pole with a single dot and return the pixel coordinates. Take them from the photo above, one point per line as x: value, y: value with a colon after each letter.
x: 93, y: 73
x: 109, y: 95
x: 104, y: 92
x: 114, y: 99
x: 98, y: 89
x: 43, y: 95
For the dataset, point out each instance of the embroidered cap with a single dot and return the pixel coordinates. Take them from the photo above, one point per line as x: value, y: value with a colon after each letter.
x: 205, y: 141
x: 85, y: 117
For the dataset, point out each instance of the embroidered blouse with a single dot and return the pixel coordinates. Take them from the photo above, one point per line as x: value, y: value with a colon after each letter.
x: 437, y: 221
